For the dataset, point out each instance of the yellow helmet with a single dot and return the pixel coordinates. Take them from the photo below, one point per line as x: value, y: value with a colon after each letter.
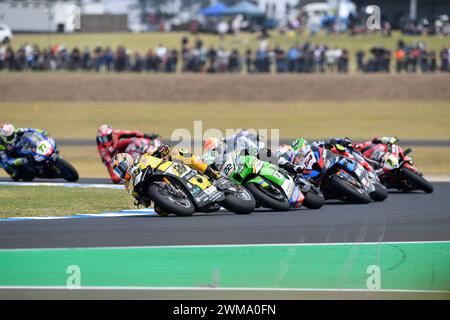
x: 120, y: 164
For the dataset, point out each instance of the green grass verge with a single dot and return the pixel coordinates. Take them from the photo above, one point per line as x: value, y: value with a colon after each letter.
x: 317, y: 119
x: 55, y: 201
x: 144, y: 41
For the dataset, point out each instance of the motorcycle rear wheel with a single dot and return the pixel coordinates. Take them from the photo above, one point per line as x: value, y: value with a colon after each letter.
x: 241, y: 202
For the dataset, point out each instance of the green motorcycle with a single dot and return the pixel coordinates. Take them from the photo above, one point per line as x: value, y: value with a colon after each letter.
x: 272, y: 187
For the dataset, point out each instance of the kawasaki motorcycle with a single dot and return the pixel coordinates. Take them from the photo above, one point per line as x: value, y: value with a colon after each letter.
x: 177, y: 188
x: 271, y: 186
x: 43, y: 158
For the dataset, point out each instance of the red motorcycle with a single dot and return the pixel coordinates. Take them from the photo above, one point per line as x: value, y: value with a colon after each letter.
x: 395, y: 168
x: 141, y: 146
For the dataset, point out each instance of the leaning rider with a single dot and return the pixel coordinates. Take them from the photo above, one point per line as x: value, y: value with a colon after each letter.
x: 9, y: 137
x: 184, y: 156
x: 377, y: 149
x: 302, y: 158
x: 123, y: 165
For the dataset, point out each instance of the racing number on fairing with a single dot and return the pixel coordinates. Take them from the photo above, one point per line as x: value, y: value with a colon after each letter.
x: 229, y: 167
x: 42, y: 148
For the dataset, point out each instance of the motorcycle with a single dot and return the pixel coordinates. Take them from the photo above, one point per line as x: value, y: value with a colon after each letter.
x: 344, y: 179
x: 271, y: 186
x: 398, y: 171
x: 380, y: 192
x: 176, y: 188
x: 141, y: 146
x: 43, y: 158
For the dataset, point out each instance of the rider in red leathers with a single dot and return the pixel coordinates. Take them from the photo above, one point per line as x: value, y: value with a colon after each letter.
x: 113, y: 141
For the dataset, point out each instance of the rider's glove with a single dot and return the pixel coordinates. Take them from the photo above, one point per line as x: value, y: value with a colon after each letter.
x: 20, y: 162
x: 299, y: 169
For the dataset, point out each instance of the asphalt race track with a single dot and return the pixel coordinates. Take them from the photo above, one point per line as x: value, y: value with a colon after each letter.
x: 414, y: 216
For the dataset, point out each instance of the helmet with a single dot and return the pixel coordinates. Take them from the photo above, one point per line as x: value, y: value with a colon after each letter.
x: 211, y: 144
x: 105, y: 134
x: 7, y: 133
x: 287, y: 152
x: 304, y: 155
x: 120, y: 164
x: 389, y: 140
x: 163, y: 152
x: 298, y: 144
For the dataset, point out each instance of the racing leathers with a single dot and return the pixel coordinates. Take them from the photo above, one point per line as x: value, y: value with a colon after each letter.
x: 163, y: 152
x: 9, y: 158
x: 120, y: 141
x: 378, y: 149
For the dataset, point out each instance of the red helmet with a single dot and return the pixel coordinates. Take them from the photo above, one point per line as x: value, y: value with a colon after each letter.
x: 105, y: 134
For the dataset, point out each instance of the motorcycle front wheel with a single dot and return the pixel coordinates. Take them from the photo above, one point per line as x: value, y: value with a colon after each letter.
x: 416, y: 180
x: 313, y: 199
x: 276, y: 201
x: 66, y: 170
x: 171, y: 199
x: 348, y: 192
x: 380, y: 193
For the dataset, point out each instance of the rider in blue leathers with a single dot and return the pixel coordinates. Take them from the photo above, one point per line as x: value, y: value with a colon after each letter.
x: 9, y: 138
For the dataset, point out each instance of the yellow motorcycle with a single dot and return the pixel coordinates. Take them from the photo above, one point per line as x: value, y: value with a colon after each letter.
x: 177, y: 188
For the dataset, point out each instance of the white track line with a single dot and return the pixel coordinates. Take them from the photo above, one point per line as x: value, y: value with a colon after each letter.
x: 237, y: 245
x: 62, y: 184
x: 219, y: 289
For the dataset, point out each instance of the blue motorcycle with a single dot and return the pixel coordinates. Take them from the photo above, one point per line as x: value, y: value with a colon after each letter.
x: 43, y: 159
x: 344, y: 179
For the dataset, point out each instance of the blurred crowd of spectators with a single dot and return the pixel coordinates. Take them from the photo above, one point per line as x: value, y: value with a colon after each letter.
x: 195, y: 57
x: 408, y: 58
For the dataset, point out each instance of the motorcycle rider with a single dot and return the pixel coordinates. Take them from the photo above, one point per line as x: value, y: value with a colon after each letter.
x: 345, y: 147
x: 113, y: 141
x: 184, y: 156
x: 378, y: 149
x: 301, y: 157
x: 123, y: 167
x: 9, y: 137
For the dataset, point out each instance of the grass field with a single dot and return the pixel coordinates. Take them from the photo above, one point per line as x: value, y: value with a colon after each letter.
x: 144, y: 41
x: 318, y: 119
x: 54, y: 201
x: 356, y: 119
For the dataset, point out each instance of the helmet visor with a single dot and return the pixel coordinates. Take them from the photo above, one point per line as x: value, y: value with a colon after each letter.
x: 105, y: 139
x: 121, y: 170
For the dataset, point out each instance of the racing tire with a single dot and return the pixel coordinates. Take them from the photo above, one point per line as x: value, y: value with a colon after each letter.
x: 349, y: 193
x: 266, y: 200
x: 239, y: 203
x: 67, y: 171
x: 416, y: 180
x: 380, y: 193
x: 169, y: 206
x: 313, y: 200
